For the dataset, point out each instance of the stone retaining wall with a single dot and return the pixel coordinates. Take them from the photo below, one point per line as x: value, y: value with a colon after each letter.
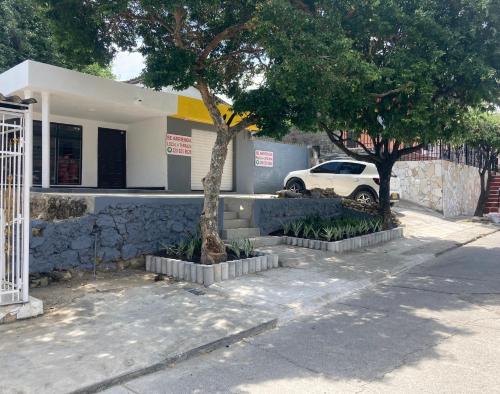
x: 121, y: 228
x: 447, y: 187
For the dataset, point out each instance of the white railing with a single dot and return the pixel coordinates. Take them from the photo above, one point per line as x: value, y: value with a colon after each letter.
x: 14, y: 205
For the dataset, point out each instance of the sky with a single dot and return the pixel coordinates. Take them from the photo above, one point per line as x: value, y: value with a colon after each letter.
x: 127, y: 65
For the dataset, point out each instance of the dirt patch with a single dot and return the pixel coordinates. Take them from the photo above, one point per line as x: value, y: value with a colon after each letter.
x: 61, y: 294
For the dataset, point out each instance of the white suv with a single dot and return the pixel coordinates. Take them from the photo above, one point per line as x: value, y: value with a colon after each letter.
x: 349, y: 178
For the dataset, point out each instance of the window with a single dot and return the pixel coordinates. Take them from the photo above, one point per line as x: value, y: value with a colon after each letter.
x: 351, y: 168
x: 328, y: 168
x: 65, y: 154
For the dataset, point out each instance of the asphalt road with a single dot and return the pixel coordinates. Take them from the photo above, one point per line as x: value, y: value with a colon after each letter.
x: 434, y: 329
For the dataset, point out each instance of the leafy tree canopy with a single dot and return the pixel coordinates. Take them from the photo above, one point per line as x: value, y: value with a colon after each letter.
x: 26, y: 33
x: 483, y: 131
x: 213, y: 45
x: 413, y: 70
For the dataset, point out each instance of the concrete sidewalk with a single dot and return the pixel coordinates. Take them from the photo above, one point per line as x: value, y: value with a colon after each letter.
x: 113, y: 335
x: 433, y: 329
x: 120, y: 333
x: 312, y: 278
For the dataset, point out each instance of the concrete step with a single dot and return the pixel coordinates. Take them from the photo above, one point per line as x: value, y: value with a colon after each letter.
x: 240, y: 233
x: 236, y: 223
x: 230, y: 215
x: 261, y: 242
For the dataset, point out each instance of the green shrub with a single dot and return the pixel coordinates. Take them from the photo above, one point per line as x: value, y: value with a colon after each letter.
x: 316, y: 227
x: 297, y: 227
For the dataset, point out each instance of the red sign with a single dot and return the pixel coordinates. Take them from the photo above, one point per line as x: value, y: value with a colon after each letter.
x: 264, y: 158
x: 178, y: 145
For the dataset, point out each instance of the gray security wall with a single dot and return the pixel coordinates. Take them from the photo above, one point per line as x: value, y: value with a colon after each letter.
x: 286, y: 158
x: 248, y: 178
x: 252, y: 179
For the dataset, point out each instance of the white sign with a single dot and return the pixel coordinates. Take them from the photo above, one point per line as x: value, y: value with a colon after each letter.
x: 178, y: 145
x: 264, y: 158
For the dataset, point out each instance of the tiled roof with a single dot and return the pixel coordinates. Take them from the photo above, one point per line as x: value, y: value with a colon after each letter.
x: 16, y: 100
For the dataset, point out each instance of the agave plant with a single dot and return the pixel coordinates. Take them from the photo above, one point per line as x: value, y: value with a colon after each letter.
x: 286, y: 228
x: 235, y: 247
x: 377, y: 225
x: 308, y: 228
x: 316, y: 231
x: 297, y: 227
x: 181, y: 248
x: 328, y: 233
x: 170, y: 250
x: 190, y: 248
x: 247, y: 247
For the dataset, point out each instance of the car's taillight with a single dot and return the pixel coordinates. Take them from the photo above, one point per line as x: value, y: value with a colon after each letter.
x: 377, y: 181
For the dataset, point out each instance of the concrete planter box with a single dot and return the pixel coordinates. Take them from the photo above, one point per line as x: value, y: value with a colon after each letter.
x: 209, y: 274
x: 346, y: 245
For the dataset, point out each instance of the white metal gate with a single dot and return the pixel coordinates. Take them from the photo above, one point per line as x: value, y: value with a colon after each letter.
x: 14, y: 203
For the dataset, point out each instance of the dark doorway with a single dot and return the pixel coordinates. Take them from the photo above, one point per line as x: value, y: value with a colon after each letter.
x: 112, y: 159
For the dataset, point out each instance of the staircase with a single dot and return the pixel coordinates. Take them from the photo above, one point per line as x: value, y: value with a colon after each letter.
x: 493, y: 196
x: 236, y: 228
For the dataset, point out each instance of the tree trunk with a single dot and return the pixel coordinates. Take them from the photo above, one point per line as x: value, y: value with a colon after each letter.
x: 483, y: 196
x: 384, y: 195
x: 213, y: 250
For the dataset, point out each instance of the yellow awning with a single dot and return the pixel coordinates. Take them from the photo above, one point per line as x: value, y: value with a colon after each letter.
x: 189, y: 108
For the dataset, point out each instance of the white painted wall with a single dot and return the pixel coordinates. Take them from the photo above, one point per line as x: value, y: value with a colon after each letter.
x: 146, y: 156
x: 89, y: 143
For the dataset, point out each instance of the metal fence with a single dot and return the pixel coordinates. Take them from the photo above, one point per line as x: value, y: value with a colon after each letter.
x: 462, y: 154
x: 14, y: 205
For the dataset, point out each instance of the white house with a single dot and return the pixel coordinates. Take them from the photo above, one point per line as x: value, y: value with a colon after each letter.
x: 91, y: 132
x: 94, y: 132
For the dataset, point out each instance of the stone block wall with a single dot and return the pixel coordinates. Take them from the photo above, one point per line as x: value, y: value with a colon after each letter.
x: 461, y: 189
x: 447, y: 187
x: 421, y: 182
x: 118, y: 229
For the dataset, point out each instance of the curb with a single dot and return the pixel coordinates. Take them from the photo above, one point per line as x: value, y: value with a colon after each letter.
x: 460, y: 244
x: 207, y: 348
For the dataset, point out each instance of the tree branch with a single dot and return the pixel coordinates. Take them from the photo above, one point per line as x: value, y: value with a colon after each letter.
x: 179, y: 15
x: 243, y: 124
x: 339, y: 143
x: 392, y: 91
x: 410, y: 149
x: 218, y: 38
x: 210, y: 102
x: 365, y: 148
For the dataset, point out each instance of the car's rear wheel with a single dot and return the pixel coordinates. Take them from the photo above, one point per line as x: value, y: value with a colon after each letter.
x: 365, y: 197
x: 295, y: 185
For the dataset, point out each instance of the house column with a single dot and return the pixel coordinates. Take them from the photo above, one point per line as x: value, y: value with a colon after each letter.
x: 28, y: 175
x: 45, y: 139
x: 28, y: 132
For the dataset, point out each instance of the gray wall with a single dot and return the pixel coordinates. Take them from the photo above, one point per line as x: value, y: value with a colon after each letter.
x: 179, y: 167
x: 244, y: 165
x: 286, y: 158
x: 248, y: 178
x: 126, y: 227
x: 252, y: 179
x: 270, y: 214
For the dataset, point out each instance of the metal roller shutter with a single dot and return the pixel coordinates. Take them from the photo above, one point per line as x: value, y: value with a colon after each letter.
x: 202, y: 143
